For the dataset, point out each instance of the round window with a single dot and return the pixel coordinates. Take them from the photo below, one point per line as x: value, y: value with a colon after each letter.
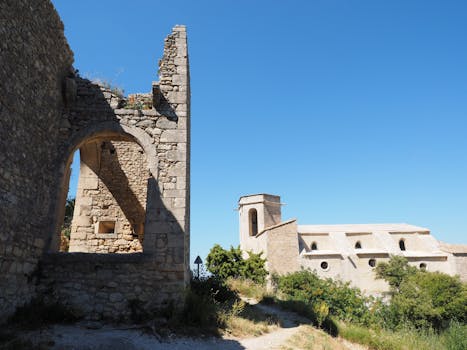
x: 324, y: 265
x: 372, y: 262
x: 423, y: 266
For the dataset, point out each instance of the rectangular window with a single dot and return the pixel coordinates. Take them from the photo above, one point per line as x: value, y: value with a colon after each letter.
x: 106, y: 227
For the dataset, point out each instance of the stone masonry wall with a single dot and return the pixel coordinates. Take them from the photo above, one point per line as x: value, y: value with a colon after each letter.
x: 104, y: 286
x: 282, y: 248
x: 46, y: 113
x: 162, y: 131
x: 112, y: 190
x: 34, y: 61
x: 460, y: 260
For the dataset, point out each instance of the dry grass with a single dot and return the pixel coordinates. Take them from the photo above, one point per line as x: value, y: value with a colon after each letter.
x: 309, y: 338
x: 242, y: 327
x: 248, y: 288
x: 243, y: 320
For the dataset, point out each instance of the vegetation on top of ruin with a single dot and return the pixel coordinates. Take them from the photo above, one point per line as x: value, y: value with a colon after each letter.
x: 137, y: 103
x: 107, y: 84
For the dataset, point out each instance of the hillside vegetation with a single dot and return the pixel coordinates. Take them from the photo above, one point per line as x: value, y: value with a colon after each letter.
x: 426, y: 310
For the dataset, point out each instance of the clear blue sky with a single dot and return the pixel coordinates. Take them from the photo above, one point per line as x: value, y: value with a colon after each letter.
x: 352, y: 111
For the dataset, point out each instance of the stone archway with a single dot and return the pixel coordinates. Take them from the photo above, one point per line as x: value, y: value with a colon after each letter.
x: 116, y: 164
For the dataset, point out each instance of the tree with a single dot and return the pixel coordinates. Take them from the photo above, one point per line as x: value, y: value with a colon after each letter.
x: 395, y: 271
x: 253, y: 268
x: 69, y: 209
x: 224, y: 263
x: 66, y: 227
x: 421, y: 298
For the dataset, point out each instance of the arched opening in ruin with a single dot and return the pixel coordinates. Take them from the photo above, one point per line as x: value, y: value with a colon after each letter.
x: 253, y: 221
x: 358, y: 245
x: 314, y: 246
x: 110, y: 197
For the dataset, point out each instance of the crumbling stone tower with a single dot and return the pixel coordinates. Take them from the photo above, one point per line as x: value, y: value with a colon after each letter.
x: 133, y: 193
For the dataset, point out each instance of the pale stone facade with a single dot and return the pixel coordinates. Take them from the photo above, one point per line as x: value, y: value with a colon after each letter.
x: 134, y: 184
x: 346, y: 252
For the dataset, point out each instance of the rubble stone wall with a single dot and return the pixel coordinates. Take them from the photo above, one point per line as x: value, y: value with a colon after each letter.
x: 110, y: 286
x: 111, y: 198
x: 99, y: 115
x: 34, y: 61
x: 47, y: 112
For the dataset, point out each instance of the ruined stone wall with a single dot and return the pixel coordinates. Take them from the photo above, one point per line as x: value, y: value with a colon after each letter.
x: 107, y: 286
x: 161, y: 272
x: 34, y: 60
x: 46, y: 113
x: 111, y: 192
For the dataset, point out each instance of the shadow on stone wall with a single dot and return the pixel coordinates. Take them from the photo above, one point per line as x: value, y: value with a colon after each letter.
x: 101, y: 286
x: 118, y: 184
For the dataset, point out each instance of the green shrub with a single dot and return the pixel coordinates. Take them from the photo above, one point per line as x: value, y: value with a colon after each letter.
x: 226, y: 264
x: 199, y: 310
x: 213, y: 288
x: 395, y: 271
x: 344, y: 302
x: 420, y: 298
x: 211, y: 306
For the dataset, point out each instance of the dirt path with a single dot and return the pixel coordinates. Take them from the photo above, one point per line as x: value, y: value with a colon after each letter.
x: 275, y: 340
x: 293, y: 325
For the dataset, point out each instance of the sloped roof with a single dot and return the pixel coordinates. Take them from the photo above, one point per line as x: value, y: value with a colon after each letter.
x: 453, y: 248
x: 357, y: 228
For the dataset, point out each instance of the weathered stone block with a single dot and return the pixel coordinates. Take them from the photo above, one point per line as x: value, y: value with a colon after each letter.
x: 164, y: 123
x: 176, y: 155
x: 172, y: 136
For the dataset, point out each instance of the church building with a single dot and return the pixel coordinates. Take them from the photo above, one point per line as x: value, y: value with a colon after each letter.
x: 347, y: 252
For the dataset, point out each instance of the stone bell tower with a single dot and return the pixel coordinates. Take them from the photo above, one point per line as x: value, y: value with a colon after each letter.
x: 256, y: 213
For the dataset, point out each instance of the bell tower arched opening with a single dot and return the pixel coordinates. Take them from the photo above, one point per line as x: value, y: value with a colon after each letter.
x: 253, y: 221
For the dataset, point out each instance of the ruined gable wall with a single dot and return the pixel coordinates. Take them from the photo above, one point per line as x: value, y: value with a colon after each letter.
x: 106, y: 285
x: 34, y: 59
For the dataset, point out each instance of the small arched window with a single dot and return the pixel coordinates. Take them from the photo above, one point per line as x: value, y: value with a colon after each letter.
x: 372, y: 262
x: 402, y: 244
x: 358, y: 245
x: 253, y: 221
x: 314, y: 246
x: 423, y: 266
